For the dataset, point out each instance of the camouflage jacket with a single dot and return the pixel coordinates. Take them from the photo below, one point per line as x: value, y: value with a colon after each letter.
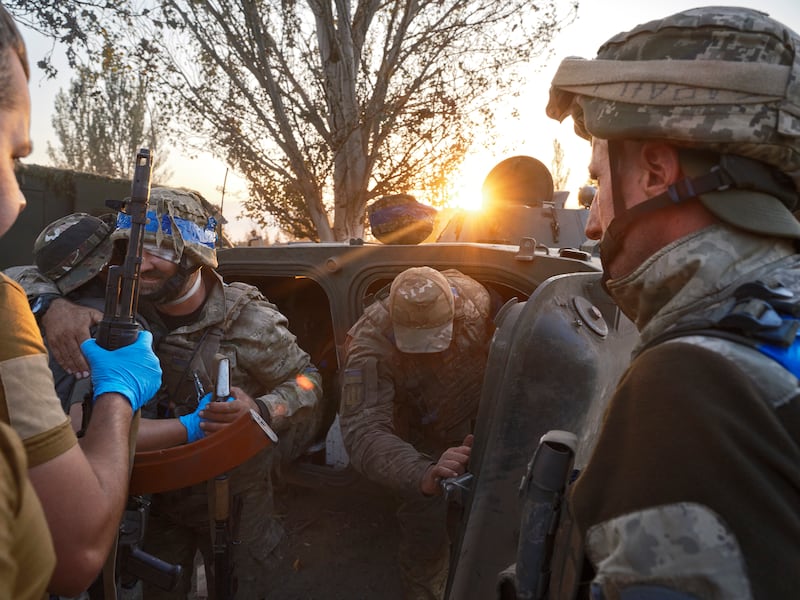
x: 696, y: 472
x: 265, y: 360
x: 400, y: 411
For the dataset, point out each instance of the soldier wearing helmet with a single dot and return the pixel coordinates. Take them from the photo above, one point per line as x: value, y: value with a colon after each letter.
x: 693, y: 486
x: 195, y: 317
x: 414, y: 369
x: 71, y: 255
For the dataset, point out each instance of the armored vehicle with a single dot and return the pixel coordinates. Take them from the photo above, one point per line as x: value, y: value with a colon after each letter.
x: 559, y: 348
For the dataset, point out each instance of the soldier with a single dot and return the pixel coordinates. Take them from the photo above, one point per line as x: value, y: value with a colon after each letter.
x: 693, y: 487
x: 71, y: 253
x: 415, y: 362
x: 195, y: 316
x: 81, y: 489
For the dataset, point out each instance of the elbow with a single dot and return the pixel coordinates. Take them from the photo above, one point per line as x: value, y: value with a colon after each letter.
x: 79, y: 561
x: 74, y: 574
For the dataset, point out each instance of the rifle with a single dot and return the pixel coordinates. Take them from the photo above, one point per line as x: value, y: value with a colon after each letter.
x: 223, y: 575
x: 543, y: 489
x: 119, y: 327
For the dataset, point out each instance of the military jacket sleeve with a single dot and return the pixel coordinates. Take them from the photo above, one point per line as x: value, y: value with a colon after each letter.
x: 694, y: 482
x: 270, y: 366
x: 368, y: 406
x: 32, y: 281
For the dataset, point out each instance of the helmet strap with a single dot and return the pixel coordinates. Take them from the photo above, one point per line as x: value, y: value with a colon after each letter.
x: 612, y: 237
x: 732, y: 171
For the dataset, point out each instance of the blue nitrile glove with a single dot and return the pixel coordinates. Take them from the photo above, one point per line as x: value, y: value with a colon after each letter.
x: 132, y: 371
x: 192, y: 420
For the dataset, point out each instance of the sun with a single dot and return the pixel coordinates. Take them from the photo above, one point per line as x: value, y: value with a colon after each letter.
x: 467, y: 182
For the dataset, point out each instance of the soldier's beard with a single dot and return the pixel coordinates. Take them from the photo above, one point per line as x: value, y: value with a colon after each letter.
x: 170, y: 289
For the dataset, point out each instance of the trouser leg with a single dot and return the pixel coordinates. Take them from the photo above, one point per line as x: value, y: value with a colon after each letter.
x: 424, y: 553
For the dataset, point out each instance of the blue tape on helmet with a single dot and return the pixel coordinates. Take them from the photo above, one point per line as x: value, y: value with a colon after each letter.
x: 190, y: 231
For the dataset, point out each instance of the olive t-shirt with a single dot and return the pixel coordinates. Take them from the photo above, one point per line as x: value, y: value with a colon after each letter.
x: 27, y: 557
x: 28, y: 401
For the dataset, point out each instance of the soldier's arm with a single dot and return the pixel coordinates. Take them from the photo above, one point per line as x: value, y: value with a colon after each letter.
x: 64, y: 324
x: 292, y: 383
x: 367, y: 413
x: 83, y: 492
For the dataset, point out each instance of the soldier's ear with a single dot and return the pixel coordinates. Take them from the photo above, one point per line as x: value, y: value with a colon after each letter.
x: 660, y: 165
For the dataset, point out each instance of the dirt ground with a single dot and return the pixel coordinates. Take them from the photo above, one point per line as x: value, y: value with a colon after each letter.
x: 340, y: 545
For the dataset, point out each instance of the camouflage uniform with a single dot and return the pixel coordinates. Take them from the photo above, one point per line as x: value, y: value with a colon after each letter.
x: 400, y: 411
x: 715, y: 513
x: 266, y: 363
x: 693, y: 487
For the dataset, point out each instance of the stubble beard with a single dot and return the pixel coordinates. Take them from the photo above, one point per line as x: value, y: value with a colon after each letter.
x: 165, y: 290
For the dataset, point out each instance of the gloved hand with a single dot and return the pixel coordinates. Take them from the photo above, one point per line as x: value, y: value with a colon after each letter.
x: 132, y: 371
x: 192, y: 420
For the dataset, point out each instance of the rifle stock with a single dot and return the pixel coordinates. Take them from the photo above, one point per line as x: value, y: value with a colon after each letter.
x: 119, y: 327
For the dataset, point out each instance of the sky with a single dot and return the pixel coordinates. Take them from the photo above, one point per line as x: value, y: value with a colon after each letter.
x: 531, y: 133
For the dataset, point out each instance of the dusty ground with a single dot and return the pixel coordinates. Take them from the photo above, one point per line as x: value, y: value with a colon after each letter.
x: 341, y: 544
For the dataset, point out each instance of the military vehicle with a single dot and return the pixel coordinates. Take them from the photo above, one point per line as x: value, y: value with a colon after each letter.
x: 559, y: 347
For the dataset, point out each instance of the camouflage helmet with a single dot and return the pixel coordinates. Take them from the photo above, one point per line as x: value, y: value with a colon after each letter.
x: 718, y: 79
x: 518, y: 180
x: 72, y: 250
x: 177, y: 220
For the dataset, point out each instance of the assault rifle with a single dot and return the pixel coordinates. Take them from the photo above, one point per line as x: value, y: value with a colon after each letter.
x: 119, y: 327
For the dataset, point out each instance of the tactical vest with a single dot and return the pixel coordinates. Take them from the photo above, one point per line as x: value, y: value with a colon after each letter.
x: 188, y: 360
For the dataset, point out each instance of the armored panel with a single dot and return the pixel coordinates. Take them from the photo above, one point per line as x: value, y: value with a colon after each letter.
x: 550, y: 226
x: 554, y: 363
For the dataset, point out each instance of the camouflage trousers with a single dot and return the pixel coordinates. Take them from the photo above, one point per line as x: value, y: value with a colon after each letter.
x: 424, y: 554
x: 180, y: 525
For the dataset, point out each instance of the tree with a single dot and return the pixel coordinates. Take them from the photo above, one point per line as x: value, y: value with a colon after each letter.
x: 559, y: 170
x: 102, y: 120
x: 323, y: 106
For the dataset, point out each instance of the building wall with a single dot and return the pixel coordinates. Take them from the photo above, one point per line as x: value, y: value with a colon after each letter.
x: 52, y: 193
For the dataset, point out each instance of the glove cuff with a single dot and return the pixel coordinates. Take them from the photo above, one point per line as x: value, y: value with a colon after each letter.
x: 192, y: 424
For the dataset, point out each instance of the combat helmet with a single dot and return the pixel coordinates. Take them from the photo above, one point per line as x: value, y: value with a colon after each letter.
x: 73, y: 249
x: 177, y: 220
x: 518, y: 180
x: 721, y: 82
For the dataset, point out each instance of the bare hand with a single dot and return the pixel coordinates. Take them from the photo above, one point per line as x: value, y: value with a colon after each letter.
x: 66, y: 326
x: 452, y: 463
x: 218, y: 415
